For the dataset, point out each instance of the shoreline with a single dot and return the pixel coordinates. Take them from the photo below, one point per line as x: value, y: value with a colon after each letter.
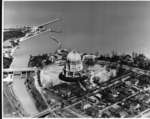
x: 25, y: 57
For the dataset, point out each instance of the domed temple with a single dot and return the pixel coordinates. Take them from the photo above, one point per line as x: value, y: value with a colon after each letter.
x: 73, y: 69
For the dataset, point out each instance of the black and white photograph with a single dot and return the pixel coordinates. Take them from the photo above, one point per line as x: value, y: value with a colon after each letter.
x: 75, y: 59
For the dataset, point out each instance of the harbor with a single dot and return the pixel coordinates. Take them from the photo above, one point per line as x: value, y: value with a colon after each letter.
x: 76, y: 60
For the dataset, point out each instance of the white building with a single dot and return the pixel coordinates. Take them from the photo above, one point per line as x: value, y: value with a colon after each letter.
x: 73, y: 65
x: 73, y: 68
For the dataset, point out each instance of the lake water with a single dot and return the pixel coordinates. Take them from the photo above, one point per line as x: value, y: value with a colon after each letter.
x: 81, y: 42
x: 33, y: 46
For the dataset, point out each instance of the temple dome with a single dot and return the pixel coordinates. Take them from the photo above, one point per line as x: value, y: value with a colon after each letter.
x: 73, y: 56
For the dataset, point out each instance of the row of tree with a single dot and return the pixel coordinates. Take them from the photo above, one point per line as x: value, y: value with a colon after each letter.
x: 135, y: 60
x: 39, y: 61
x: 16, y: 33
x: 13, y: 34
x: 7, y: 62
x: 39, y: 101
